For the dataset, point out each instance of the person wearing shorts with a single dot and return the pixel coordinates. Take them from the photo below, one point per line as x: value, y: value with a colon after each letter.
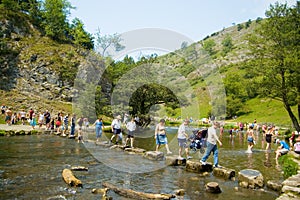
x: 116, y: 128
x: 182, y: 140
x: 160, y: 136
x: 131, y: 126
x: 23, y: 116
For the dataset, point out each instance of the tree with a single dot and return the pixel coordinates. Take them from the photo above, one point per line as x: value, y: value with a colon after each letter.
x: 184, y: 44
x: 275, y: 49
x: 227, y: 44
x: 208, y: 45
x: 55, y: 18
x: 104, y: 42
x: 80, y: 36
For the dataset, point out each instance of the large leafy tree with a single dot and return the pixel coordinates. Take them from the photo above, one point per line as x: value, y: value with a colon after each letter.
x: 55, y: 18
x: 275, y: 48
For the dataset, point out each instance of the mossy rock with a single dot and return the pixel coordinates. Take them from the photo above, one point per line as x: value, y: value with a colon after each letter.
x: 11, y: 133
x: 22, y: 132
x: 2, y: 133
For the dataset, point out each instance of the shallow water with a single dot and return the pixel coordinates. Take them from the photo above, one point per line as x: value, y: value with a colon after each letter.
x: 31, y: 167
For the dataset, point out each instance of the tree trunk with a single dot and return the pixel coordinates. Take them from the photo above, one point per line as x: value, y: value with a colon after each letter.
x: 299, y: 111
x: 292, y: 116
x: 136, y: 195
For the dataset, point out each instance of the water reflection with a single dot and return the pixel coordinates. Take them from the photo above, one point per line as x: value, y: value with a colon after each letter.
x: 250, y: 161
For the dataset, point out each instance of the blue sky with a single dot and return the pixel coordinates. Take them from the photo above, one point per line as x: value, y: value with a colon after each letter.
x: 192, y: 18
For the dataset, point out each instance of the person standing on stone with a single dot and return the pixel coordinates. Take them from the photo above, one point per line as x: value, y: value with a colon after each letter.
x: 80, y: 122
x: 116, y: 128
x: 211, y: 142
x: 33, y: 121
x: 41, y: 119
x: 8, y: 116
x: 23, y: 116
x: 99, y: 128
x: 161, y: 136
x: 131, y: 126
x: 47, y: 116
x: 182, y: 140
x: 73, y: 121
x: 31, y: 111
x: 66, y: 124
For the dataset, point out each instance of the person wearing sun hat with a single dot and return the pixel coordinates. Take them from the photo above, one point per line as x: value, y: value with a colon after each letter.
x: 116, y: 128
x: 282, y: 149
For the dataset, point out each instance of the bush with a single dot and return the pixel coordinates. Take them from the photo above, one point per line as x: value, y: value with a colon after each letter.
x: 289, y: 166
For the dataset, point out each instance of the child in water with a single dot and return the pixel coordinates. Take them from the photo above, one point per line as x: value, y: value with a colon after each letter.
x: 80, y: 136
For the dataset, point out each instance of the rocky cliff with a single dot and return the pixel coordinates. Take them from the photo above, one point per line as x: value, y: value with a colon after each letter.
x: 37, y: 71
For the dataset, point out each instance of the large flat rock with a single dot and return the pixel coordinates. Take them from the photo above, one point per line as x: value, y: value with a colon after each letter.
x: 250, y: 178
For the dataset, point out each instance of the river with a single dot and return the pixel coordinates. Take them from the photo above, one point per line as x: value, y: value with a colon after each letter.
x: 31, y: 167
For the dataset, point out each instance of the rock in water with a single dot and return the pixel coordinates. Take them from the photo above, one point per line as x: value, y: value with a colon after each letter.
x: 213, y: 187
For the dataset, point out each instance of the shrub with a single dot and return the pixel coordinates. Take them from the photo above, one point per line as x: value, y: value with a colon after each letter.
x: 288, y: 165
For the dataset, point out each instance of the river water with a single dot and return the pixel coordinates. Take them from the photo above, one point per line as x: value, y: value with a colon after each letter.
x: 31, y: 167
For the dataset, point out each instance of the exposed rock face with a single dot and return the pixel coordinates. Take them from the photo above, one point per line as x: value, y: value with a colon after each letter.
x: 35, y: 69
x: 249, y: 178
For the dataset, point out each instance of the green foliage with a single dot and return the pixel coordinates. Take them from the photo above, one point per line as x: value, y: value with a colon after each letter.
x: 290, y: 167
x: 258, y: 20
x: 248, y: 23
x: 10, y: 5
x: 240, y: 27
x: 80, y: 36
x: 227, y: 44
x: 275, y: 45
x: 55, y: 18
x: 208, y: 45
x: 2, y: 133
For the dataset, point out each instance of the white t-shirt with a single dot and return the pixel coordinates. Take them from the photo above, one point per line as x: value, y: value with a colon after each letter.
x: 131, y: 126
x: 41, y: 117
x: 116, y: 124
x: 181, y: 132
x: 212, y: 135
x: 23, y: 114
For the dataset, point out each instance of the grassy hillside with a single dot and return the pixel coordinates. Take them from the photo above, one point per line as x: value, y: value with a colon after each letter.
x: 203, y: 68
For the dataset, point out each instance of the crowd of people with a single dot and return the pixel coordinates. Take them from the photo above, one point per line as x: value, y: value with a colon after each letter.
x: 61, y: 122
